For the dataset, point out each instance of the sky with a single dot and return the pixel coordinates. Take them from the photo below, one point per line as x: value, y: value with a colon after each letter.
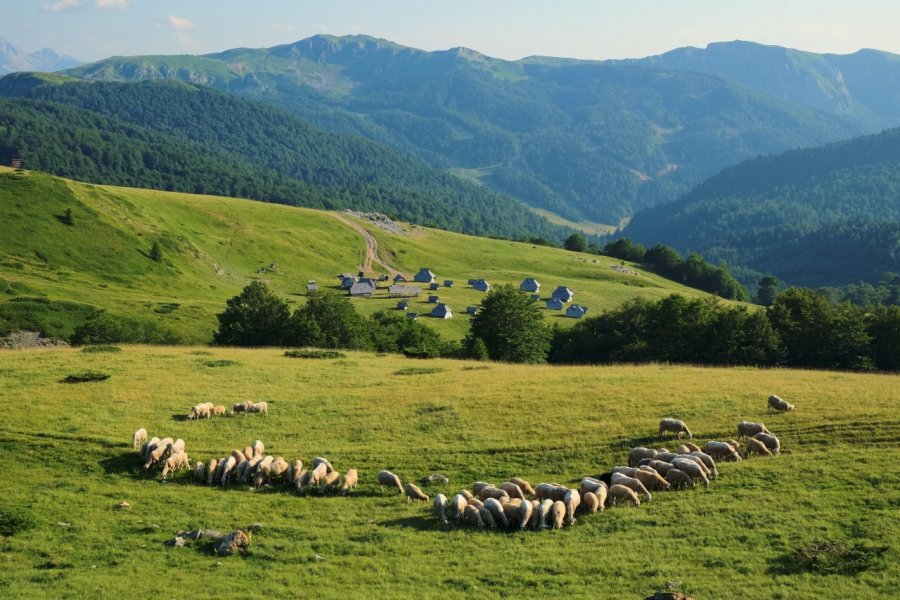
x: 589, y: 29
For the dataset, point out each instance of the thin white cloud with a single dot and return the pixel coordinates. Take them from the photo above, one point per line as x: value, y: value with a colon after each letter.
x: 284, y: 27
x: 119, y: 4
x: 179, y: 23
x: 60, y: 5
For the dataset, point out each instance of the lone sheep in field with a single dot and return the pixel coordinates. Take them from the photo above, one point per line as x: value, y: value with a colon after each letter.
x: 496, y: 509
x: 749, y: 429
x: 674, y: 426
x: 440, y: 507
x: 459, y: 505
x: 620, y: 493
x: 679, y: 479
x: 386, y: 478
x: 413, y: 492
x: 590, y: 503
x: 473, y: 516
x: 722, y: 451
x: 757, y: 447
x: 637, y: 454
x: 139, y: 437
x: 350, y: 478
x: 771, y: 442
x: 632, y: 483
x: 779, y: 405
x: 558, y: 514
x: 571, y: 501
x: 523, y: 485
x: 526, y: 510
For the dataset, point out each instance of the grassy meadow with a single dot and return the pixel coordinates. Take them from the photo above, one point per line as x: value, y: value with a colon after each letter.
x: 213, y: 246
x: 66, y: 461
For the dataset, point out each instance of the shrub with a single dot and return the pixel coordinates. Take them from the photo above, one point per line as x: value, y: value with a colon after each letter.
x: 85, y: 377
x: 101, y: 348
x: 218, y: 363
x: 418, y: 371
x: 13, y: 522
x: 314, y: 354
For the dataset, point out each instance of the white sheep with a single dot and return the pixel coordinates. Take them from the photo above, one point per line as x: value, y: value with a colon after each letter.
x: 771, y: 442
x: 278, y: 469
x: 218, y: 411
x: 523, y: 485
x: 536, y: 516
x: 211, y: 471
x: 691, y: 468
x: 249, y: 469
x: 526, y: 509
x: 200, y: 473
x: 459, y: 505
x: 329, y: 482
x: 258, y: 448
x: 473, y: 516
x: 259, y: 407
x: 155, y: 455
x: 413, y: 492
x: 301, y: 481
x: 241, y: 406
x: 139, y: 437
x: 639, y: 453
x: 708, y: 462
x: 177, y: 446
x: 757, y: 447
x: 679, y: 479
x: 496, y: 509
x: 317, y: 475
x: 674, y: 426
x: 651, y: 479
x: 630, y: 471
x: 589, y: 484
x: 321, y: 461
x: 386, y: 478
x: 571, y: 501
x: 349, y: 483
x: 557, y: 514
x: 147, y: 447
x: 749, y: 429
x: 440, y: 507
x: 630, y: 482
x: 178, y: 460
x: 512, y: 490
x: 544, y: 511
x: 660, y: 467
x: 227, y: 469
x: 777, y: 404
x: 619, y: 493
x: 722, y: 451
x: 200, y: 411
x: 590, y: 503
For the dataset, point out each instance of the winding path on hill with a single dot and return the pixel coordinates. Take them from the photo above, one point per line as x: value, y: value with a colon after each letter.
x: 371, y: 253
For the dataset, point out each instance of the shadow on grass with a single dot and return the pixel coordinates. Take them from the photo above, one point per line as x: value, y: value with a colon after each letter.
x: 417, y: 523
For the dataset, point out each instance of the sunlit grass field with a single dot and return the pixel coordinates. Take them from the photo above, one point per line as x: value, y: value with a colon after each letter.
x: 66, y: 461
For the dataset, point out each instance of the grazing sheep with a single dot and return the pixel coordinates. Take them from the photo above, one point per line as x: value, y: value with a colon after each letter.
x: 317, y: 474
x: 247, y: 452
x: 440, y: 507
x: 496, y: 510
x: 543, y: 491
x: 492, y: 492
x: 466, y: 493
x: 413, y: 492
x: 692, y: 446
x: 512, y: 490
x: 200, y: 411
x: 146, y: 447
x: 620, y: 493
x: 139, y: 437
x: 459, y: 505
x: 473, y: 501
x: 278, y: 469
x: 756, y: 447
x: 218, y: 411
x: 691, y: 468
x: 321, y: 461
x: 779, y: 405
x: 260, y: 408
x: 557, y: 514
x: 651, y: 479
x: 511, y: 512
x: 349, y: 483
x: 630, y: 471
x: 589, y: 484
x: 667, y: 456
x: 199, y: 473
x: 480, y: 485
x: 660, y: 467
x: 722, y: 451
x: 749, y: 429
x: 211, y: 471
x: 698, y: 462
x: 386, y: 478
x: 770, y: 441
x: 258, y: 448
x: 601, y: 492
x: 679, y: 479
x: 637, y: 454
x: 590, y: 503
x: 329, y: 482
x: 155, y: 455
x: 293, y: 470
x: 227, y: 469
x: 487, y: 517
x: 631, y: 482
x: 473, y: 516
x: 544, y: 512
x: 261, y: 472
x: 238, y: 456
x: 523, y: 485
x: 249, y: 469
x: 237, y: 475
x: 301, y: 481
x: 674, y: 426
x: 708, y: 462
x: 571, y: 501
x: 435, y: 478
x: 178, y: 460
x: 526, y: 510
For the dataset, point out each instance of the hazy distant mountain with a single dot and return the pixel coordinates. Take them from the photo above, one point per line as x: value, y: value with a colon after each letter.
x: 12, y: 59
x: 587, y: 140
x: 865, y: 84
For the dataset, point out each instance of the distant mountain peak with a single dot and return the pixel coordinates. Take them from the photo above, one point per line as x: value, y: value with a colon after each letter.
x: 13, y: 59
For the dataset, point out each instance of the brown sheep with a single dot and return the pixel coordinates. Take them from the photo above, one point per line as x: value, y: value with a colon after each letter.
x: 756, y: 447
x: 512, y: 490
x: 139, y: 437
x: 492, y: 492
x: 660, y: 467
x: 466, y: 493
x: 480, y: 485
x: 557, y: 514
x: 632, y: 483
x: 329, y: 482
x: 350, y: 478
x: 590, y: 503
x: 778, y: 405
x: 679, y: 479
x: 513, y: 516
x: 651, y: 479
x: 211, y: 471
x: 620, y: 493
x: 413, y: 492
x: 218, y: 411
x: 386, y: 478
x: 523, y: 485
x: 473, y: 501
x: 674, y: 426
x: 771, y: 442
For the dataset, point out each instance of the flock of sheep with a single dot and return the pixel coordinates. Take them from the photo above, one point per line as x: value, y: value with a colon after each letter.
x: 206, y: 410
x: 512, y: 504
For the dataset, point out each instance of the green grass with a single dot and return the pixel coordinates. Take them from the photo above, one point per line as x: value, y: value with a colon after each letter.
x: 66, y: 461
x: 213, y: 246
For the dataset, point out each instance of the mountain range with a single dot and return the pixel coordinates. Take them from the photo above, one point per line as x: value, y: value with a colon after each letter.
x: 12, y: 59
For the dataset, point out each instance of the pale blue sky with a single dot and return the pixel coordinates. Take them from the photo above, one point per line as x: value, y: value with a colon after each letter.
x: 596, y: 29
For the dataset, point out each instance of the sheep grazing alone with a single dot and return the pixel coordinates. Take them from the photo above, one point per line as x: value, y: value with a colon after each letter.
x: 590, y: 503
x: 526, y: 510
x: 620, y: 493
x: 459, y: 504
x: 440, y: 507
x: 496, y: 509
x: 651, y: 479
x: 487, y: 517
x: 757, y: 447
x: 632, y: 483
x: 674, y: 426
x: 473, y: 516
x: 199, y: 473
x: 770, y: 441
x: 678, y: 479
x: 258, y: 448
x: 557, y: 514
x: 523, y: 485
x: 571, y: 501
x: 637, y: 454
x: 722, y: 451
x: 349, y: 483
x: 512, y: 490
x: 749, y: 429
x: 779, y: 405
x: 694, y: 470
x: 139, y: 437
x: 413, y: 492
x: 386, y: 478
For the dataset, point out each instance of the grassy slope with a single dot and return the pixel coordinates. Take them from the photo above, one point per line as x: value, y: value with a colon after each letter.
x: 101, y: 260
x: 65, y: 457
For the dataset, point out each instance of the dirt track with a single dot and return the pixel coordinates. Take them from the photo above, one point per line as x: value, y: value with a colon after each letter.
x: 371, y: 256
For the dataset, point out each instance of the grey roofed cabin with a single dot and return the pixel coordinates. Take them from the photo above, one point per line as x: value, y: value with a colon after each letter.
x: 448, y: 283
x: 399, y: 278
x: 412, y: 316
x: 481, y: 285
x: 530, y: 285
x: 554, y: 304
x: 424, y: 276
x: 576, y: 312
x: 312, y: 286
x: 442, y: 311
x: 363, y: 288
x: 399, y: 291
x: 472, y: 310
x: 563, y: 293
x: 434, y: 286
x: 348, y: 281
x: 433, y: 299
x: 402, y: 305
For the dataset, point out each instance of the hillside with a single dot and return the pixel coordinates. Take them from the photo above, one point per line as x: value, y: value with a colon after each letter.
x: 173, y: 136
x: 864, y: 85
x: 213, y: 246
x: 469, y: 421
x: 588, y: 141
x: 820, y: 216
